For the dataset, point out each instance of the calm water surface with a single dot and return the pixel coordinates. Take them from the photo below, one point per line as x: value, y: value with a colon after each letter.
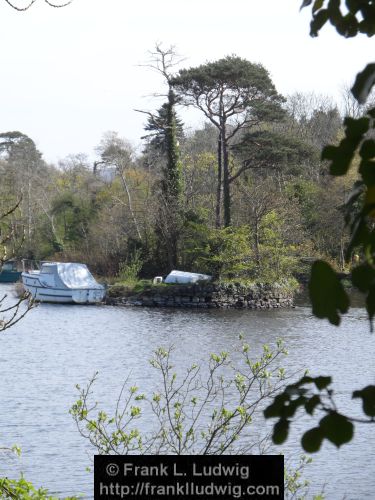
x: 56, y: 347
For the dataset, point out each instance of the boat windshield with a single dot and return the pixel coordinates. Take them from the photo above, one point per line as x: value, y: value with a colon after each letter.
x: 9, y: 266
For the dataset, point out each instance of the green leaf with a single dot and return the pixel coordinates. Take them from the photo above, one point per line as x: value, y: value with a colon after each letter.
x: 337, y: 428
x: 367, y: 394
x: 367, y: 25
x: 311, y: 404
x: 363, y: 277
x: 312, y: 440
x: 340, y: 156
x: 306, y: 3
x: 318, y: 21
x: 347, y: 26
x: 353, y: 5
x: 363, y: 83
x: 355, y: 128
x: 327, y: 294
x: 360, y: 234
x: 335, y: 16
x: 318, y: 4
x: 280, y: 431
x: 322, y: 382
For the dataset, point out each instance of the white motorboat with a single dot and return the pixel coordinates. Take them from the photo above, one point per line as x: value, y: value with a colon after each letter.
x: 63, y: 282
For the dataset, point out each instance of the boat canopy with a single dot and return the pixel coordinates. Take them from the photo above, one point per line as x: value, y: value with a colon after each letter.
x: 184, y: 277
x: 71, y: 274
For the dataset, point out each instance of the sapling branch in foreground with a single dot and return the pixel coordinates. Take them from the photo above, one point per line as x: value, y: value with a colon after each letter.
x: 204, y: 411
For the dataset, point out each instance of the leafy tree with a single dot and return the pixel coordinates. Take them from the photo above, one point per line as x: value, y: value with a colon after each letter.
x: 227, y: 253
x: 73, y: 216
x: 329, y: 299
x: 276, y: 151
x: 172, y: 182
x: 167, y: 129
x: 157, y: 127
x: 117, y: 153
x: 276, y: 260
x: 24, y: 176
x: 233, y: 94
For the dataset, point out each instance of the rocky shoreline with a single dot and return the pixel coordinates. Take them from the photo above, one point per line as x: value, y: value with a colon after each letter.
x: 204, y: 296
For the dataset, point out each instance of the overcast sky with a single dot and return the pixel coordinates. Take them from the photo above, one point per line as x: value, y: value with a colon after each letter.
x: 69, y: 75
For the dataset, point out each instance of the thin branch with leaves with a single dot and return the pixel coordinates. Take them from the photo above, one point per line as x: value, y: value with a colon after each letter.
x: 204, y: 411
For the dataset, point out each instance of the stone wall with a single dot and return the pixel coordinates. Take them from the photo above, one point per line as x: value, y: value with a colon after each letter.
x: 206, y: 296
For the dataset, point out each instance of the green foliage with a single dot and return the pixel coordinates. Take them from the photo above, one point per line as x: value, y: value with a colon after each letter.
x: 327, y: 293
x: 158, y: 125
x: 296, y: 487
x: 172, y: 182
x: 202, y: 412
x: 227, y: 253
x: 73, y: 215
x: 233, y: 94
x: 194, y: 242
x: 17, y: 489
x: 358, y: 19
x: 334, y: 426
x: 364, y: 82
x: 307, y: 195
x: 276, y: 260
x: 10, y: 241
x: 237, y: 73
x: 129, y: 271
x: 274, y: 150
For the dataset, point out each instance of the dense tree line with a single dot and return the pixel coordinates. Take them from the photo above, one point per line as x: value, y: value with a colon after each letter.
x: 245, y: 197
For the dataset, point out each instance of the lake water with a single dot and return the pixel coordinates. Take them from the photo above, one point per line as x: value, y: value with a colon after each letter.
x: 55, y: 347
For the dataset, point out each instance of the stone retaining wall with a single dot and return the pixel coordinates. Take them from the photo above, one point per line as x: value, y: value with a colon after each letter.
x: 207, y: 296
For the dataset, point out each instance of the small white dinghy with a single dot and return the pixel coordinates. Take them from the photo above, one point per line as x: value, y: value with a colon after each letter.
x: 63, y: 282
x: 184, y: 277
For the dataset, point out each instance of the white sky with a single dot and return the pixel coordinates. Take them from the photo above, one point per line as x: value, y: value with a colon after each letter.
x: 68, y: 75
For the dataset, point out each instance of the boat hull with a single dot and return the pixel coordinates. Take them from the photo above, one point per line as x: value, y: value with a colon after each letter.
x: 9, y: 276
x: 42, y: 293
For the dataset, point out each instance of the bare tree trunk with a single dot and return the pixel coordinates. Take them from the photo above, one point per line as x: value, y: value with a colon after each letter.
x: 219, y: 181
x: 126, y: 188
x: 226, y: 184
x: 257, y: 253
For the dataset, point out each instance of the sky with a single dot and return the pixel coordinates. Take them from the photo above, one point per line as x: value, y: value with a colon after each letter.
x: 69, y: 75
